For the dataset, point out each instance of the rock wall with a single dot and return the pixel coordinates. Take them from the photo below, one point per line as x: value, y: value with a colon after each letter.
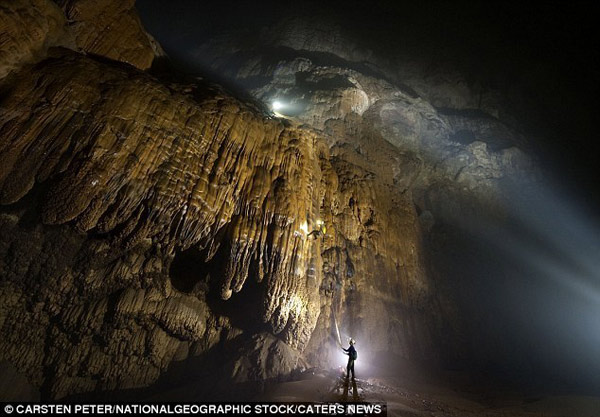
x: 149, y: 221
x: 106, y: 27
x: 143, y: 187
x: 146, y: 222
x: 28, y: 29
x: 437, y: 148
x: 111, y: 29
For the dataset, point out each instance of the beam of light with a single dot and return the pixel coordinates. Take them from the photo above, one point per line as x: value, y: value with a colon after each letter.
x: 286, y: 109
x: 545, y: 297
x: 337, y: 329
x: 551, y: 237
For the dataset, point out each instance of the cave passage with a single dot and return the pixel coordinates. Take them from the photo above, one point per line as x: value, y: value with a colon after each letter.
x: 205, y: 201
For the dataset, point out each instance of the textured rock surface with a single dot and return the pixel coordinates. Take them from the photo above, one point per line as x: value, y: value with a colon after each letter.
x: 124, y: 173
x: 107, y: 27
x: 146, y: 222
x: 27, y: 29
x: 435, y: 146
x: 111, y: 29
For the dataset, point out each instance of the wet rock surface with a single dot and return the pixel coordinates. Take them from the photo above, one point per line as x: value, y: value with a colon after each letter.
x: 29, y: 28
x: 111, y: 29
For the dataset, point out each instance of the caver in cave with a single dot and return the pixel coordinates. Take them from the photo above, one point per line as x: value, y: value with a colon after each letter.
x: 163, y: 236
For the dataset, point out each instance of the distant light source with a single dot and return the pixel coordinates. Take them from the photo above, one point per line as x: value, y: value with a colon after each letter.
x: 277, y: 105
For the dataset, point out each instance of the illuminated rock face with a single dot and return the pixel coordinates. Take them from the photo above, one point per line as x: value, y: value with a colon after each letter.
x: 108, y: 28
x: 127, y: 173
x: 111, y: 29
x: 144, y: 172
x: 28, y: 28
x: 429, y: 141
x: 145, y: 223
x: 111, y: 182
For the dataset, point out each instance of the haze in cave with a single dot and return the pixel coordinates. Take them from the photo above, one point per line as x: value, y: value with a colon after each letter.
x: 205, y: 201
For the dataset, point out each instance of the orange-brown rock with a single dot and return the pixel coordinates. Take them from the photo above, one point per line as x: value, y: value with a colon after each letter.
x: 111, y: 29
x: 27, y: 29
x: 144, y: 222
x: 107, y: 175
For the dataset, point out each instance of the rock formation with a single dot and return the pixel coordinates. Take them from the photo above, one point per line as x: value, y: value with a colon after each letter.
x: 440, y: 141
x: 146, y: 221
x: 29, y: 28
x: 106, y: 28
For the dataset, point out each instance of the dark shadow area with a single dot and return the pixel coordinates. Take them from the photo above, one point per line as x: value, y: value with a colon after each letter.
x: 499, y: 135
x: 206, y: 377
x: 244, y: 309
x: 191, y: 274
x: 189, y: 271
x: 465, y: 137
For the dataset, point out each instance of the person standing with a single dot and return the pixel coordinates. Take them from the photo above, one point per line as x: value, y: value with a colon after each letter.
x: 352, y: 355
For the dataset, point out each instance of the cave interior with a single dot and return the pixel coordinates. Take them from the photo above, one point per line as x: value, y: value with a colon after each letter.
x: 208, y: 200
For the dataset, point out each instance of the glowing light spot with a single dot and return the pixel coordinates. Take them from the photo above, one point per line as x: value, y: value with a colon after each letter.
x: 304, y: 227
x: 277, y: 105
x: 295, y: 305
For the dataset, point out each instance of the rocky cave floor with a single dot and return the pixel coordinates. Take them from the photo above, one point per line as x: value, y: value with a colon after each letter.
x: 412, y: 395
x: 407, y: 390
